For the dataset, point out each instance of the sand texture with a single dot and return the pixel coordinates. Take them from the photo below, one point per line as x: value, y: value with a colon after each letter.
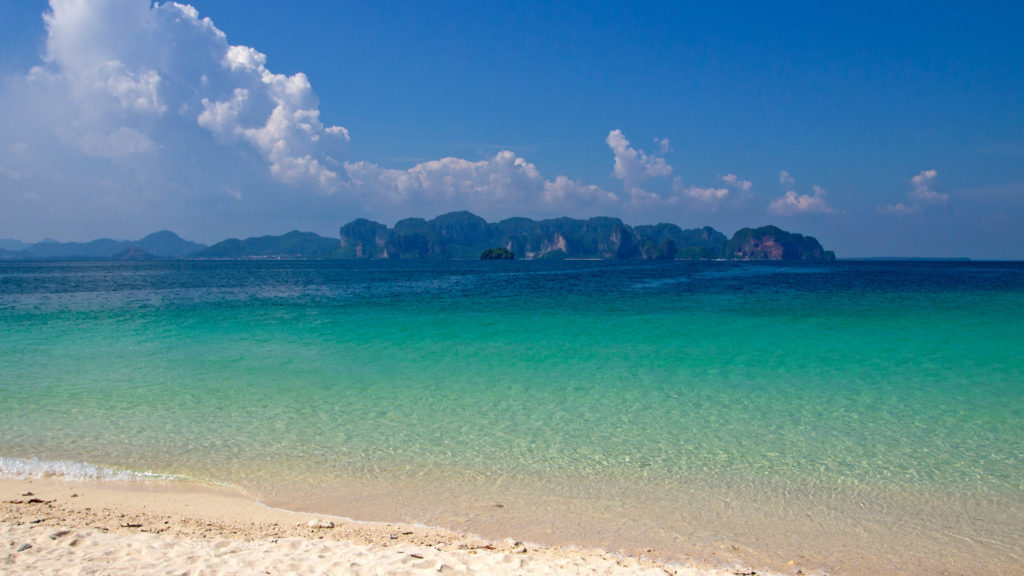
x: 56, y: 527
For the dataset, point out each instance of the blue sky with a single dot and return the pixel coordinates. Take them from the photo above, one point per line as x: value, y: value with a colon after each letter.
x: 880, y: 128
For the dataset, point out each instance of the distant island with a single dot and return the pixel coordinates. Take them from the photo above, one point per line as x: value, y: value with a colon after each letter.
x: 456, y: 236
x: 497, y: 254
x: 464, y: 235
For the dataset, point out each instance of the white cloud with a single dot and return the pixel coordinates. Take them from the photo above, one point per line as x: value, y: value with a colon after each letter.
x: 736, y: 183
x: 706, y: 194
x: 289, y: 136
x: 922, y: 191
x: 222, y: 117
x: 636, y: 168
x: 633, y: 166
x: 493, y: 186
x: 705, y: 199
x: 664, y: 147
x: 117, y: 64
x: 785, y: 179
x: 640, y: 200
x: 924, y: 177
x: 792, y: 203
x: 244, y: 58
x: 899, y: 209
x: 563, y: 191
x: 920, y: 195
x: 90, y: 45
x: 338, y: 131
x: 136, y: 91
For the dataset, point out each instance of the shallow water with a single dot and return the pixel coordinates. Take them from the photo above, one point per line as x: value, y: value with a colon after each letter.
x: 860, y: 417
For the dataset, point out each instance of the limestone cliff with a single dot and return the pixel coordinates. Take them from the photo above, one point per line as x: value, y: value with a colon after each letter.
x: 773, y: 243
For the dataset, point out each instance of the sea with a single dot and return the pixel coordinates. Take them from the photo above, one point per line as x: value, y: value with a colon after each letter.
x: 848, y: 417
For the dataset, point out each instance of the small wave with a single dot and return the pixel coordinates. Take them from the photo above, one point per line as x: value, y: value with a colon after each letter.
x: 656, y: 283
x: 21, y: 468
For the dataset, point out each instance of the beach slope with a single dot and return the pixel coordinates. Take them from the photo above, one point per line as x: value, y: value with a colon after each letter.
x: 56, y: 527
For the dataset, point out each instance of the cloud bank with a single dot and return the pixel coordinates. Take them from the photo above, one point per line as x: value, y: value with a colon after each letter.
x: 504, y: 182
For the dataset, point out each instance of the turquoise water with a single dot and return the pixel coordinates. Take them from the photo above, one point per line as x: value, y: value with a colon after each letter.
x: 638, y: 400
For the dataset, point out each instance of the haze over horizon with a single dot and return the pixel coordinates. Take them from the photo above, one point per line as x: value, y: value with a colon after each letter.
x: 880, y: 129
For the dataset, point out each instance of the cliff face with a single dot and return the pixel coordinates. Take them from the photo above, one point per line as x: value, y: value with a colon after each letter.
x: 668, y: 241
x: 463, y: 235
x: 772, y: 243
x: 362, y: 239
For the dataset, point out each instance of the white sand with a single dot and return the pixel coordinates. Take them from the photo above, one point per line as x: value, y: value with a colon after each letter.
x: 55, y: 527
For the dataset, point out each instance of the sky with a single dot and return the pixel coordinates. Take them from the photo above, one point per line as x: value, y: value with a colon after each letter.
x: 882, y: 129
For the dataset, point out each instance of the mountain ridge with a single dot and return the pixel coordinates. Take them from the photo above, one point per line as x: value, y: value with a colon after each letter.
x: 161, y: 244
x: 458, y: 235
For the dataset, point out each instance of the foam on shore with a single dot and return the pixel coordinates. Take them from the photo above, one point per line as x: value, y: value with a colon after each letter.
x: 30, y: 468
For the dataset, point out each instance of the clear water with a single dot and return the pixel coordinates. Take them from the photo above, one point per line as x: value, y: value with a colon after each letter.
x: 861, y: 417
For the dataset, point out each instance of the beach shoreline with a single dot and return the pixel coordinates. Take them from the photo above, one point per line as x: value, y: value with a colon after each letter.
x: 51, y: 525
x: 861, y: 420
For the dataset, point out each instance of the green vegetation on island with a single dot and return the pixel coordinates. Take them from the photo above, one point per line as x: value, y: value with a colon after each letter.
x: 497, y: 254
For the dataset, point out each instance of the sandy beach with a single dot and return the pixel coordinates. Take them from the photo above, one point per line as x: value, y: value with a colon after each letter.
x: 50, y: 526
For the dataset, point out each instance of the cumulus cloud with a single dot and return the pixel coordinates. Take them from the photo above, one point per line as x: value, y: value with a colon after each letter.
x: 119, y: 64
x: 288, y: 137
x: 921, y: 194
x: 710, y: 195
x: 734, y: 182
x: 785, y: 179
x: 90, y: 46
x: 922, y: 191
x: 664, y: 147
x: 792, y: 203
x: 639, y: 171
x: 633, y: 166
x: 495, y: 185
